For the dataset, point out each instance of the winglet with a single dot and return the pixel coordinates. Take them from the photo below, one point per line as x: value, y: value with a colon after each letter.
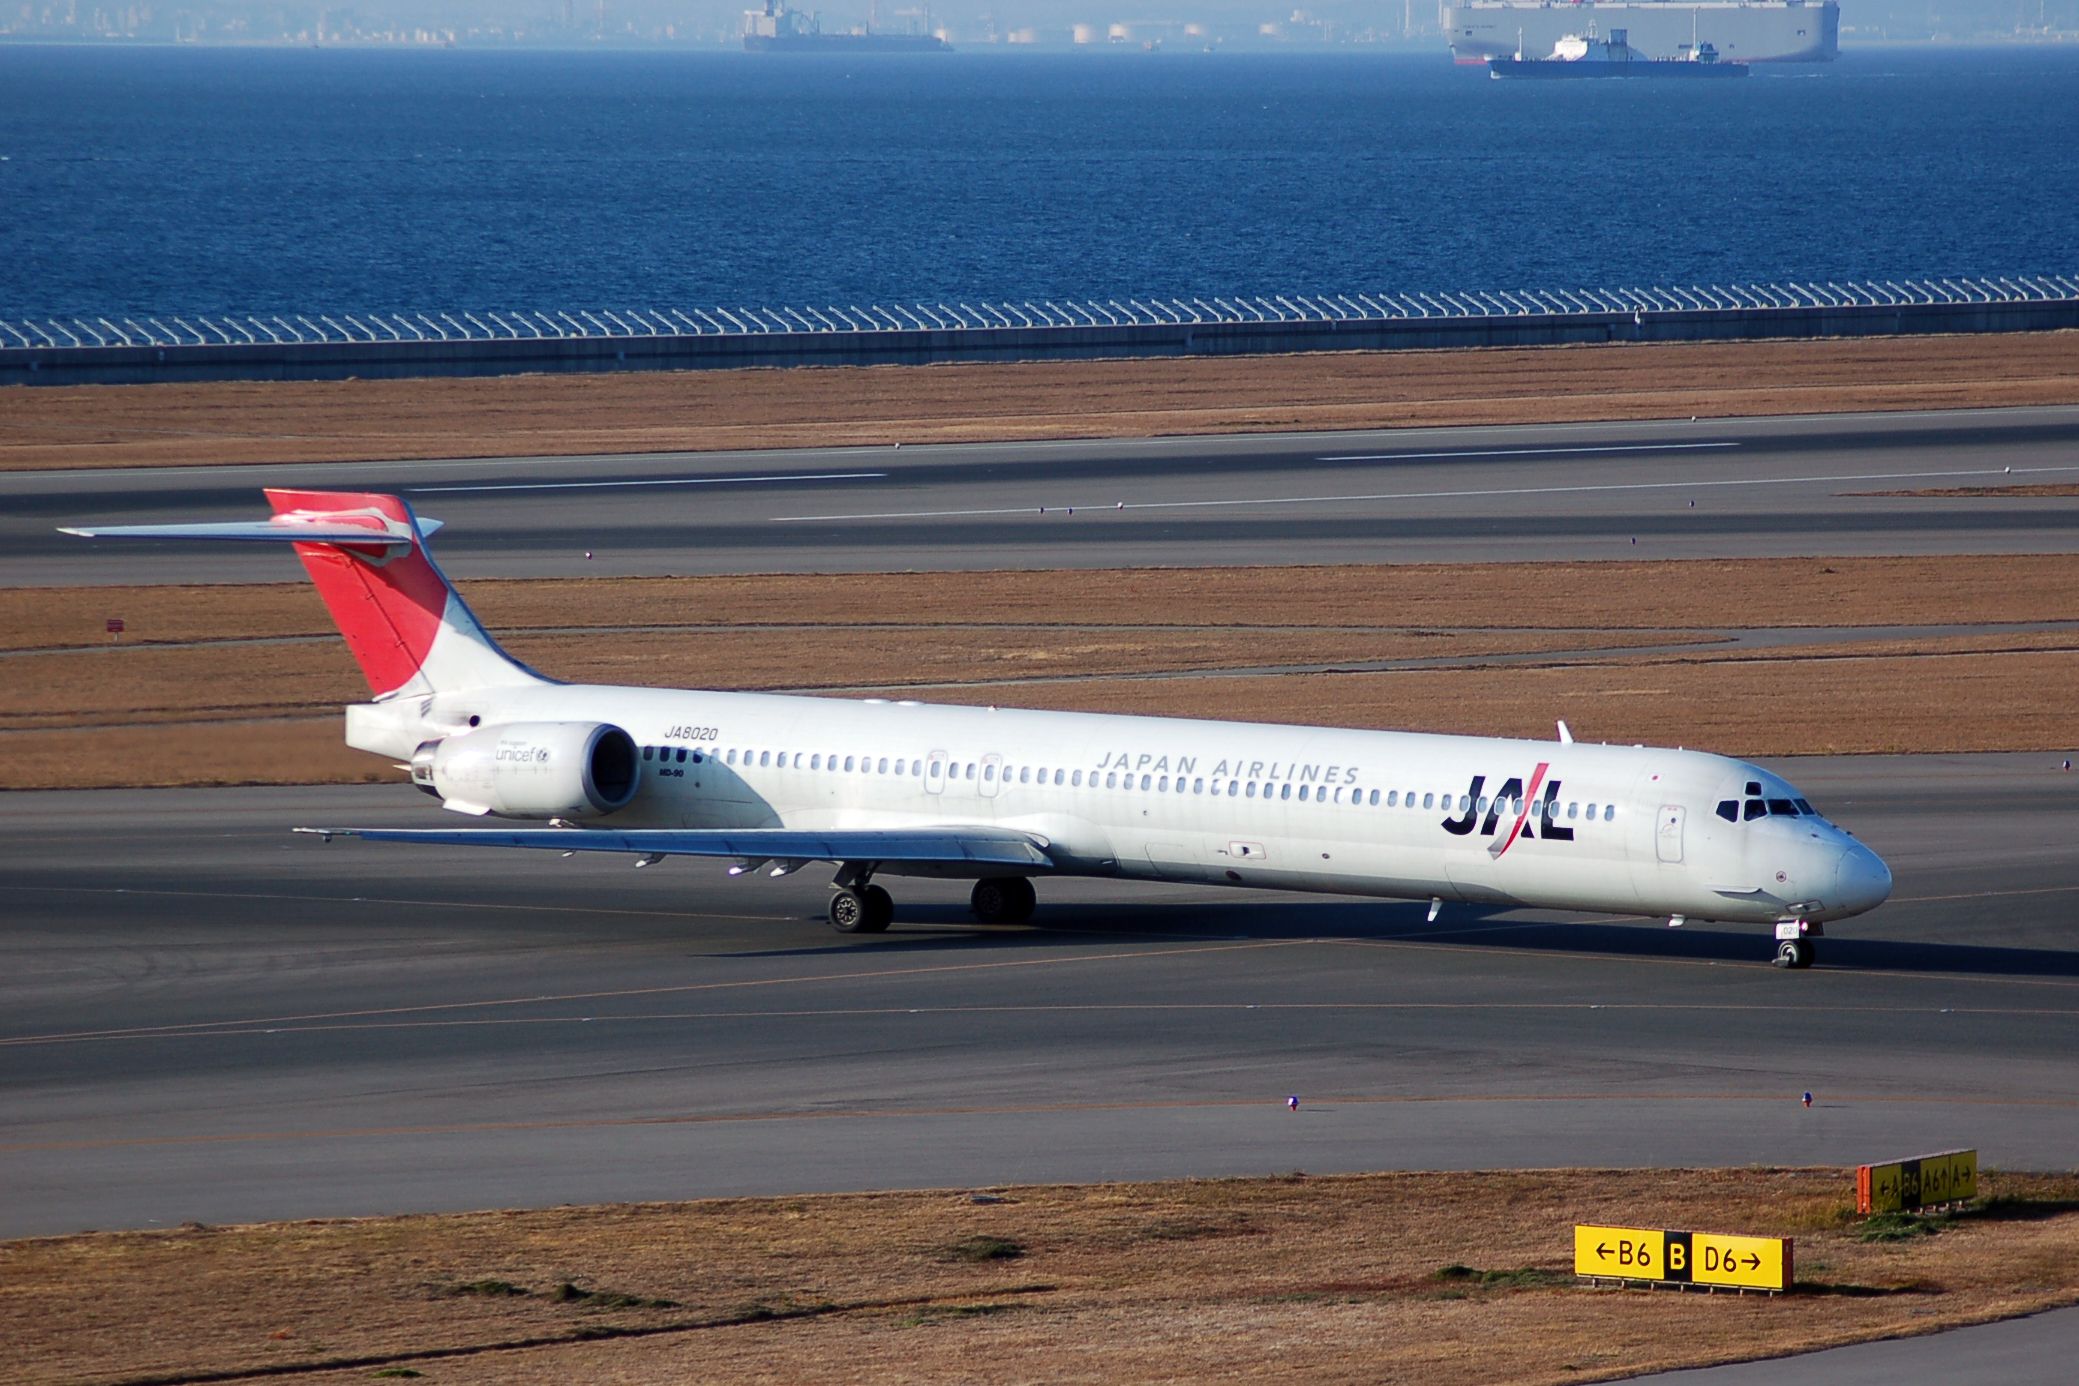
x: 1566, y: 736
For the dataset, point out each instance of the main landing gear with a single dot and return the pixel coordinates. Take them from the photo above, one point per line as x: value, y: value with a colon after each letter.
x: 1003, y: 900
x: 1794, y: 943
x: 857, y: 906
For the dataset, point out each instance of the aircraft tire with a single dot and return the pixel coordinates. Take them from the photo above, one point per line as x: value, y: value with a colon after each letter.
x: 849, y: 913
x: 1794, y: 952
x: 1003, y: 900
x: 880, y: 910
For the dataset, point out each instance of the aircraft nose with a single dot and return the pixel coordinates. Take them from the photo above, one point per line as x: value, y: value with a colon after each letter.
x: 1863, y: 881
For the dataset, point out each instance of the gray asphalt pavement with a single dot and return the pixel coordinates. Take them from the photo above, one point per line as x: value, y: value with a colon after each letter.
x: 1742, y: 487
x: 202, y: 1017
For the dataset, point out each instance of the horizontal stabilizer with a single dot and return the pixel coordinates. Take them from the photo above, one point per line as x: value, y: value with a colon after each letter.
x: 261, y: 531
x: 949, y: 846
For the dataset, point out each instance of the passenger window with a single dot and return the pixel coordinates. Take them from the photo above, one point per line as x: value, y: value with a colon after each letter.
x: 1147, y: 780
x: 764, y: 758
x: 989, y: 773
x: 1111, y: 779
x: 1057, y: 776
x: 1426, y: 801
x: 1375, y: 798
x: 1609, y: 813
x: 1303, y: 793
x: 881, y: 766
x: 1284, y: 791
x: 682, y: 755
x: 816, y: 761
x: 1024, y: 774
x: 969, y: 773
x: 1782, y: 808
x: 1250, y: 792
x: 1756, y: 809
x: 1729, y: 810
x: 649, y: 752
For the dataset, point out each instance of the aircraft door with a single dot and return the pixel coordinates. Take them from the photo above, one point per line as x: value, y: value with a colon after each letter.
x: 1667, y: 836
x: 992, y: 775
x: 935, y: 773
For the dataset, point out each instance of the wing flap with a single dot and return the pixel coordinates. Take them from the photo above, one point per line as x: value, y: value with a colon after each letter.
x: 982, y: 846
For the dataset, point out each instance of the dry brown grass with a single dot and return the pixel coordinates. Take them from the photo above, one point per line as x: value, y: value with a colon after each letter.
x: 241, y: 685
x: 1314, y: 1279
x: 192, y: 424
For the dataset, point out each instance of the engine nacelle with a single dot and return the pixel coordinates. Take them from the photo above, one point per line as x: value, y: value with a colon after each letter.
x: 531, y: 769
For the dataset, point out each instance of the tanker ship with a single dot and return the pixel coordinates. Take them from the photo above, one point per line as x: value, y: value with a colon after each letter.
x: 1763, y: 31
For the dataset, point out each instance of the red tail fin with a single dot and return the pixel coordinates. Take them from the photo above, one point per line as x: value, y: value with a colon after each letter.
x: 387, y: 602
x: 408, y: 629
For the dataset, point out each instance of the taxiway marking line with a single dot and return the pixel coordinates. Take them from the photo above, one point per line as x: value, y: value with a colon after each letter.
x: 1555, y: 450
x: 268, y: 1029
x: 648, y: 481
x: 864, y: 975
x: 1100, y: 507
x: 1629, y: 1099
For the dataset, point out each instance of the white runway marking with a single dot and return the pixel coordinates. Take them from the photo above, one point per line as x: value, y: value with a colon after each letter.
x: 1114, y: 507
x: 654, y: 481
x: 1524, y: 452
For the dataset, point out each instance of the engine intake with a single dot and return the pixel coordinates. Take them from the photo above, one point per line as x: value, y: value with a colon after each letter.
x: 531, y: 770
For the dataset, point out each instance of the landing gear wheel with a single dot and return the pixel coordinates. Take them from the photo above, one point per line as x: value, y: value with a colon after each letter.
x: 850, y: 913
x: 1794, y: 952
x: 1003, y: 900
x: 880, y: 910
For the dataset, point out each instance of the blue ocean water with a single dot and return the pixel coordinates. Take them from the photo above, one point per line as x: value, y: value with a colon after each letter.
x: 174, y: 180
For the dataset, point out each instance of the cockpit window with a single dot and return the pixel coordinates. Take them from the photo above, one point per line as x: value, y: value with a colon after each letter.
x: 1729, y: 810
x: 1804, y: 806
x: 1755, y: 809
x: 1754, y: 789
x: 1782, y: 808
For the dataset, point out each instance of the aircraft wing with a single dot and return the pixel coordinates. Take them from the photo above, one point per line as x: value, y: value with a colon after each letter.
x: 951, y: 846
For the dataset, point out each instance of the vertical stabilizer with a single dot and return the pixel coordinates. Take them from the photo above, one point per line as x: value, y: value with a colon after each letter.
x: 408, y: 629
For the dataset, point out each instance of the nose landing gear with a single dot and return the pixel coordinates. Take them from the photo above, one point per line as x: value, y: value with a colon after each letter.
x: 1794, y: 943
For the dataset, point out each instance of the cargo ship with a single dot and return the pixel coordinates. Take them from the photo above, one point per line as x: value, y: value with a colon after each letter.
x: 1764, y: 31
x: 1575, y: 57
x: 777, y: 29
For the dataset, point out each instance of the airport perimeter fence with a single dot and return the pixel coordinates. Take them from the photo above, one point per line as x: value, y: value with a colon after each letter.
x: 116, y: 349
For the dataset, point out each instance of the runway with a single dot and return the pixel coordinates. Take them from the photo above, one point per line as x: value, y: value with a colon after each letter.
x: 204, y: 1018
x: 1710, y: 488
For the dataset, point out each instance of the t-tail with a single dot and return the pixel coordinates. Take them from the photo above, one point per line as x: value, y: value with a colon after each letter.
x: 414, y: 637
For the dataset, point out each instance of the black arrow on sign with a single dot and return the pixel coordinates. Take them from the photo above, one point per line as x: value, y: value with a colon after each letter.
x: 1602, y: 1251
x: 1753, y: 1261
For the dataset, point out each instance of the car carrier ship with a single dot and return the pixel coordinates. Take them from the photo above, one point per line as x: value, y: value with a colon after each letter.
x: 1764, y: 31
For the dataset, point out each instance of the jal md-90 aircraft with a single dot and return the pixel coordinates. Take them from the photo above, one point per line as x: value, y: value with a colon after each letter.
x: 1004, y: 797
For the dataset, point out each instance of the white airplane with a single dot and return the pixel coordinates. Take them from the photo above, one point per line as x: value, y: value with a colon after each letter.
x: 1004, y: 797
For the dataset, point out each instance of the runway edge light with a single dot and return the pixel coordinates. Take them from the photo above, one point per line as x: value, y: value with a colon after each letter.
x: 1712, y: 1260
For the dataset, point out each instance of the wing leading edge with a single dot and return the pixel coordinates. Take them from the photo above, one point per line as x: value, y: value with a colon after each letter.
x: 947, y: 846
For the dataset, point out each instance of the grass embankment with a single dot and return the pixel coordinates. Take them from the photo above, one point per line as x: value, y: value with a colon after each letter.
x: 193, y: 424
x: 1381, y: 1278
x: 242, y: 684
